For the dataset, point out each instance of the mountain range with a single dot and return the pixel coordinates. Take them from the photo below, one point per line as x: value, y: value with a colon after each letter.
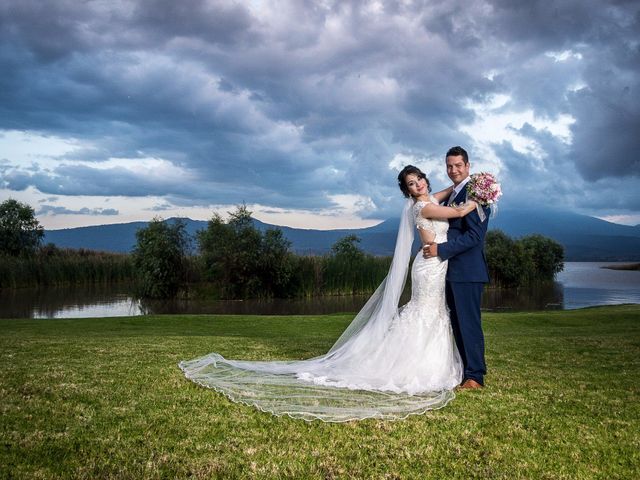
x: 584, y: 238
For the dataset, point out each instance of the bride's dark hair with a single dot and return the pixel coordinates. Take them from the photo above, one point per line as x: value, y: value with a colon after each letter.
x: 410, y: 170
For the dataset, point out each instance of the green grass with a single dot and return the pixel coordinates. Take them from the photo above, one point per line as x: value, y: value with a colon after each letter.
x: 104, y: 398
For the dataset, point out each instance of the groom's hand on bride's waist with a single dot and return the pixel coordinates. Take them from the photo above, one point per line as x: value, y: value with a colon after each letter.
x: 430, y: 250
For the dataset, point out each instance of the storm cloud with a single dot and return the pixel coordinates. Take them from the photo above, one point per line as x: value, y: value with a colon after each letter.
x: 291, y: 104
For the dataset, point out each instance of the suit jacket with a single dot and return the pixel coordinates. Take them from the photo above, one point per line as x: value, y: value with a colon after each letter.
x: 464, y: 247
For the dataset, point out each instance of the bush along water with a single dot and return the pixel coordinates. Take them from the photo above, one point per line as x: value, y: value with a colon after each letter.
x: 526, y: 261
x: 160, y: 259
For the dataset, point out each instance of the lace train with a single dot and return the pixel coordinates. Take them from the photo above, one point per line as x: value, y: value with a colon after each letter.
x: 282, y: 394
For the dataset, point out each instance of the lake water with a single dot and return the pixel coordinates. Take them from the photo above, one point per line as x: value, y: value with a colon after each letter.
x: 581, y: 284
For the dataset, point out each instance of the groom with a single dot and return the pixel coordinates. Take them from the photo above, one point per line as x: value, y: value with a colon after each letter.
x: 467, y: 272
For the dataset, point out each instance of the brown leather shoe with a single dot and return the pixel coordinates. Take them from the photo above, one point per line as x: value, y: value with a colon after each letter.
x: 470, y: 384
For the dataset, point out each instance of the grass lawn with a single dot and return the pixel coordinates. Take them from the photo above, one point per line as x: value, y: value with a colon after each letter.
x: 104, y: 398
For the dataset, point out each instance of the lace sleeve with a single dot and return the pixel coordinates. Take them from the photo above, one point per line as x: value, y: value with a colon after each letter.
x: 421, y: 222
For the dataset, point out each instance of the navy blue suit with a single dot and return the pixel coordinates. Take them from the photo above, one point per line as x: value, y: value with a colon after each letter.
x: 466, y: 275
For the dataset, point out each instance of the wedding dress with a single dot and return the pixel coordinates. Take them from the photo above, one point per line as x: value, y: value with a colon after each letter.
x: 389, y: 363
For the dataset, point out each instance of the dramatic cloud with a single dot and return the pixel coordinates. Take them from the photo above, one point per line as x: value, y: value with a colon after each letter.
x: 302, y: 107
x: 48, y: 209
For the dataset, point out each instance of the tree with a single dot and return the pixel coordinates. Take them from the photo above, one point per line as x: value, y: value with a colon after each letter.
x: 344, y: 272
x: 346, y: 249
x: 230, y: 254
x: 242, y: 261
x: 546, y: 254
x: 505, y: 258
x: 276, y: 265
x: 160, y: 258
x: 531, y: 259
x: 20, y: 231
x: 213, y: 243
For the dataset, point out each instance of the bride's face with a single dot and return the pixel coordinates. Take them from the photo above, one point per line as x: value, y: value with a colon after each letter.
x: 417, y: 186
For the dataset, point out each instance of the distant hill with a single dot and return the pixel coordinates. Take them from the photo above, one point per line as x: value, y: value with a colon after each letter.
x: 584, y: 238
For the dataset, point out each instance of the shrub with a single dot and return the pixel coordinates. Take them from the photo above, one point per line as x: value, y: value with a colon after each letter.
x: 160, y: 258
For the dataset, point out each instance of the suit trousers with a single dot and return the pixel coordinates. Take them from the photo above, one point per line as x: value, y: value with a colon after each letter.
x: 463, y: 299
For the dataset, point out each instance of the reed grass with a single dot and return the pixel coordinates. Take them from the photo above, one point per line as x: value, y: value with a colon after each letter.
x: 65, y: 267
x: 327, y: 275
x: 312, y: 275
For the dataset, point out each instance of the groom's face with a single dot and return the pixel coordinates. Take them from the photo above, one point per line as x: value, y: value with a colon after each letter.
x: 457, y: 169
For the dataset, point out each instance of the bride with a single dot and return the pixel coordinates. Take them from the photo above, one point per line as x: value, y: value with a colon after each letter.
x: 390, y: 362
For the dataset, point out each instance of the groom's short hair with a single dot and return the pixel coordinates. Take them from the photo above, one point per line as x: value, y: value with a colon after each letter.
x: 458, y: 151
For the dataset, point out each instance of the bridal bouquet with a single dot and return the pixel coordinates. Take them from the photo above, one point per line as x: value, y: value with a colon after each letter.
x: 484, y: 189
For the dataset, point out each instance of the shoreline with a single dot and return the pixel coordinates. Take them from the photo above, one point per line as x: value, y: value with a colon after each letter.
x: 626, y: 266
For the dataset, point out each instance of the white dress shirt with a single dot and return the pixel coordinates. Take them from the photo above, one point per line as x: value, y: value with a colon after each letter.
x: 456, y: 190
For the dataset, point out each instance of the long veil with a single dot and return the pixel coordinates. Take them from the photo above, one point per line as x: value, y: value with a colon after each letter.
x: 340, y: 385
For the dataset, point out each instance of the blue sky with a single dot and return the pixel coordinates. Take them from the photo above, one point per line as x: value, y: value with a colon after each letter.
x: 113, y: 111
